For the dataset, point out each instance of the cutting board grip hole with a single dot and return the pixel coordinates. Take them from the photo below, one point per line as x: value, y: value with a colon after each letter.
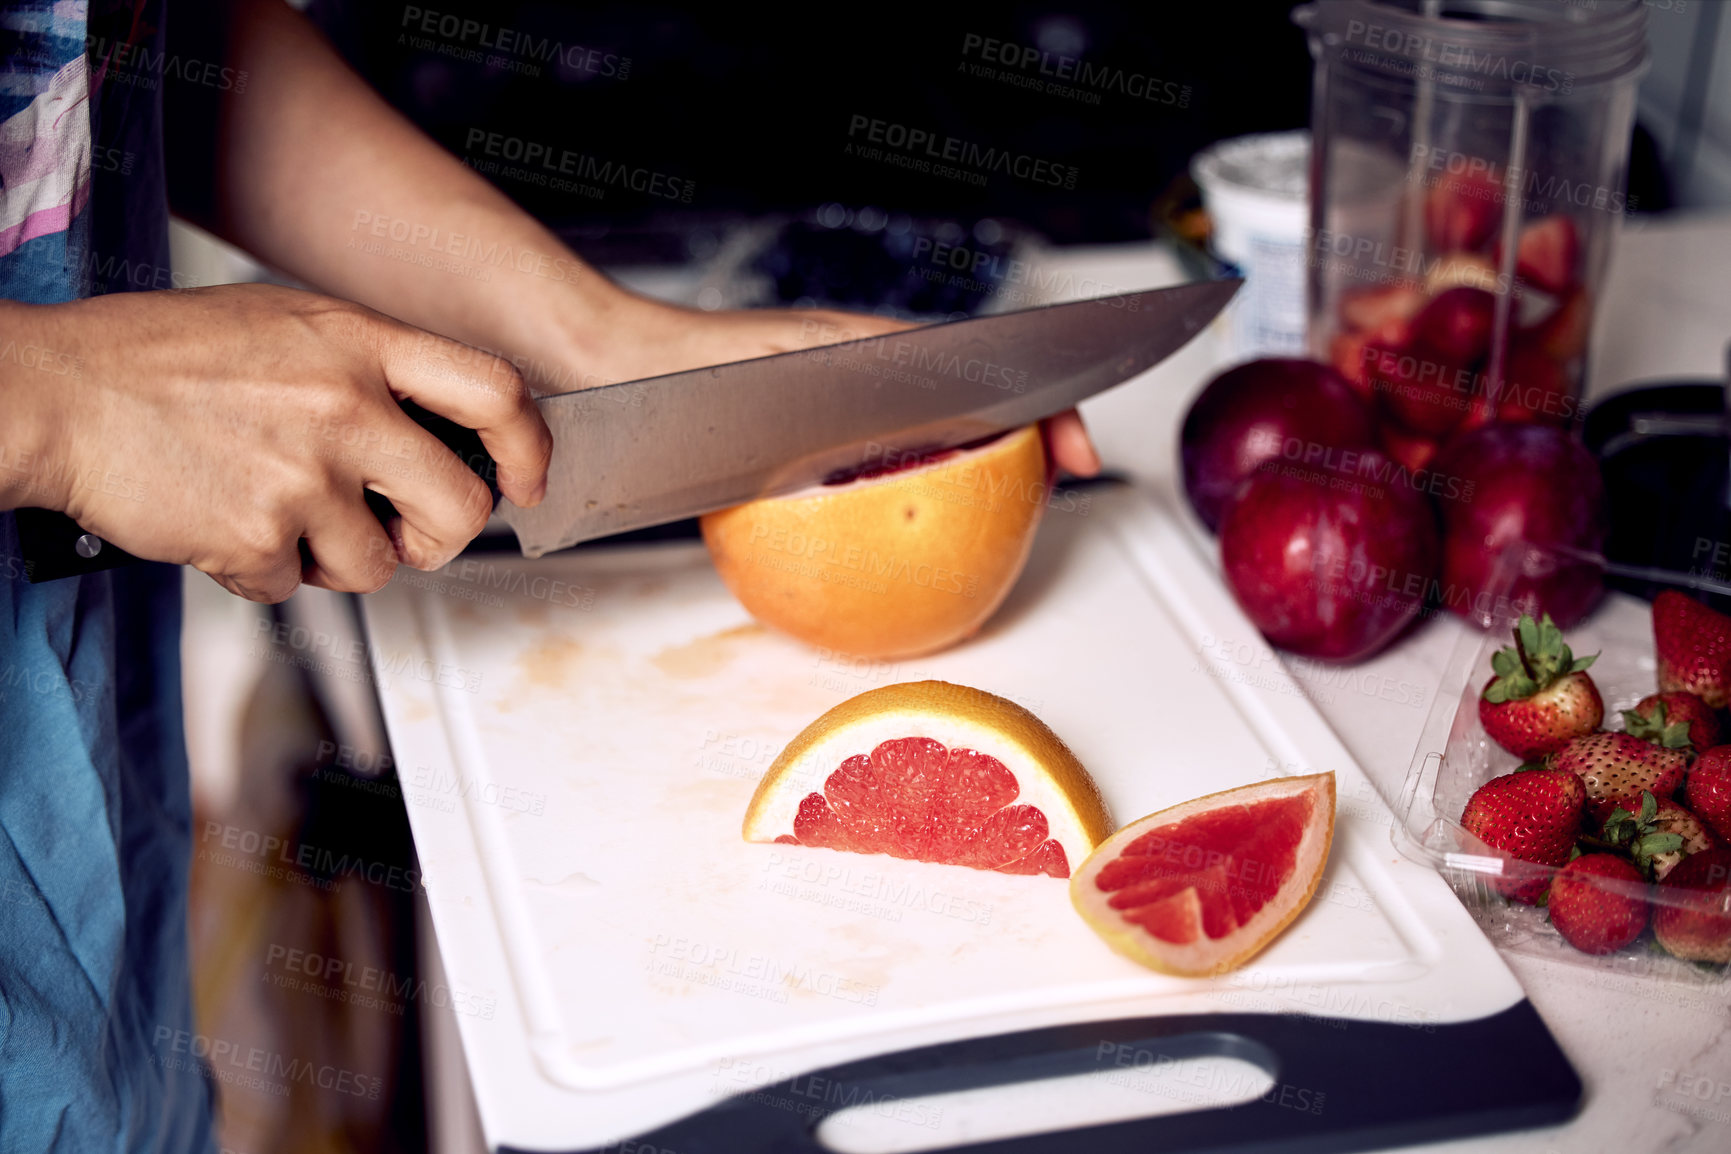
x: 1051, y: 1093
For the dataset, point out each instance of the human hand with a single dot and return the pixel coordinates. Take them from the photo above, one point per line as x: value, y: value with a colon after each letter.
x: 244, y: 422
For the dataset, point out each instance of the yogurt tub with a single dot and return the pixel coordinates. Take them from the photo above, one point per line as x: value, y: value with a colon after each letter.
x: 1256, y: 192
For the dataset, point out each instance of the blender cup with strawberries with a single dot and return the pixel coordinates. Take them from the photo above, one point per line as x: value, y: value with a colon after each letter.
x: 1467, y: 183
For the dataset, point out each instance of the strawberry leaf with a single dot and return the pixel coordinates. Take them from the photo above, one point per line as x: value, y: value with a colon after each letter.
x: 1618, y: 829
x: 1658, y: 843
x: 1654, y: 728
x: 1649, y: 807
x: 1538, y: 658
x: 1527, y: 635
x: 1652, y: 845
x: 1647, y: 728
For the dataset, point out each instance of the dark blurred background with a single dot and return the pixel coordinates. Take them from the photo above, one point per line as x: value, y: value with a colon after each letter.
x: 755, y: 110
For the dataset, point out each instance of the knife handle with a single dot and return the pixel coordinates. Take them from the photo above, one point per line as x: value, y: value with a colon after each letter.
x: 53, y: 545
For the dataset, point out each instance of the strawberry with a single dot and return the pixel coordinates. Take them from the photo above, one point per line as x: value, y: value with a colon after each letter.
x: 1660, y: 836
x: 1599, y: 903
x: 1385, y: 310
x: 1673, y: 819
x: 1562, y: 333
x: 1693, y: 645
x: 1707, y: 789
x: 1541, y: 696
x: 1533, y: 815
x: 1535, y: 389
x: 1616, y: 768
x: 1462, y: 211
x: 1659, y: 713
x: 1548, y: 252
x: 1693, y: 916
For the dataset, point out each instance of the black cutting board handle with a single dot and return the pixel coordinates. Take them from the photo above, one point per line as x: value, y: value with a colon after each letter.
x: 1339, y: 1085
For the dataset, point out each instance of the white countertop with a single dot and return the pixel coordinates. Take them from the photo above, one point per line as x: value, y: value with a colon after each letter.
x: 1656, y: 1058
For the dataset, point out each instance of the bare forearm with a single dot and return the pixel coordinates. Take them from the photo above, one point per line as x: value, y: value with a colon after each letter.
x: 324, y: 180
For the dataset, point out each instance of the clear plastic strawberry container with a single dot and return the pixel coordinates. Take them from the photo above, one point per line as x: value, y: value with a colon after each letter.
x: 1455, y: 756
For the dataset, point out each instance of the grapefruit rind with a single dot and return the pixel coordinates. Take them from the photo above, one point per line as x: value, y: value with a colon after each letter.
x: 895, y: 565
x: 1048, y: 774
x: 1211, y: 957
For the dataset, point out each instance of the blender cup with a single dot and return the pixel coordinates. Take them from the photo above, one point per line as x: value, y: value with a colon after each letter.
x: 1466, y: 185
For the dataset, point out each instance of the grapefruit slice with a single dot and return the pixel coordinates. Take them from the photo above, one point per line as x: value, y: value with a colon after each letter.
x: 1198, y: 889
x: 905, y: 558
x: 934, y: 772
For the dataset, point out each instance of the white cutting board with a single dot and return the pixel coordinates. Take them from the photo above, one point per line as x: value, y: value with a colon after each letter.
x: 578, y: 738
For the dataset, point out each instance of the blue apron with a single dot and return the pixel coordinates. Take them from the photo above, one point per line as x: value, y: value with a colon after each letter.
x: 95, y: 817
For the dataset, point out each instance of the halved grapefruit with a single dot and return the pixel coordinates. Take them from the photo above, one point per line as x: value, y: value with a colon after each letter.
x: 1198, y: 889
x: 905, y: 558
x: 934, y: 772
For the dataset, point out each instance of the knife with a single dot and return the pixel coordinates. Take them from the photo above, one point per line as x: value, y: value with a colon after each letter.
x: 643, y: 453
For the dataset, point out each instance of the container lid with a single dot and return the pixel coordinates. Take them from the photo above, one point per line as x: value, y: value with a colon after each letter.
x: 1549, y: 49
x: 1271, y: 165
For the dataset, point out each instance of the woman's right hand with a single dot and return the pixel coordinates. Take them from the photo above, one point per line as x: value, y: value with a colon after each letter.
x: 223, y: 427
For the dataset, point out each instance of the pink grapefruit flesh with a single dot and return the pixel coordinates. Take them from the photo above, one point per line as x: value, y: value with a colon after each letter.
x: 913, y: 798
x: 1200, y: 888
x: 933, y: 772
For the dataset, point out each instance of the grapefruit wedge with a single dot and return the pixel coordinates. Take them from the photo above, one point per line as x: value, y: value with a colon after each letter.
x: 934, y: 772
x: 1198, y: 889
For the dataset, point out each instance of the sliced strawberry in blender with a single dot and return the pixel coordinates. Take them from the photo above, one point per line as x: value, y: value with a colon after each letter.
x: 1562, y: 335
x: 1384, y: 310
x: 1462, y: 211
x: 1548, y: 254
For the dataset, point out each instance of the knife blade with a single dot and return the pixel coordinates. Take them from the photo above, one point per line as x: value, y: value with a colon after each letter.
x: 641, y: 453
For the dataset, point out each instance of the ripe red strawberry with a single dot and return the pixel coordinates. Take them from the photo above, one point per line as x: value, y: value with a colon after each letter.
x: 1548, y: 253
x: 1385, y: 310
x: 1693, y: 645
x: 1541, y: 696
x: 1658, y: 837
x: 1707, y: 789
x: 1536, y: 388
x: 1692, y: 918
x: 1599, y: 903
x: 1533, y: 815
x: 1462, y: 211
x: 1562, y: 334
x: 1616, y: 768
x: 1657, y: 713
x: 1697, y: 838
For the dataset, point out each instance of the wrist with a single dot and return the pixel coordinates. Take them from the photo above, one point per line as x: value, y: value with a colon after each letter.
x: 35, y: 377
x: 593, y: 334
